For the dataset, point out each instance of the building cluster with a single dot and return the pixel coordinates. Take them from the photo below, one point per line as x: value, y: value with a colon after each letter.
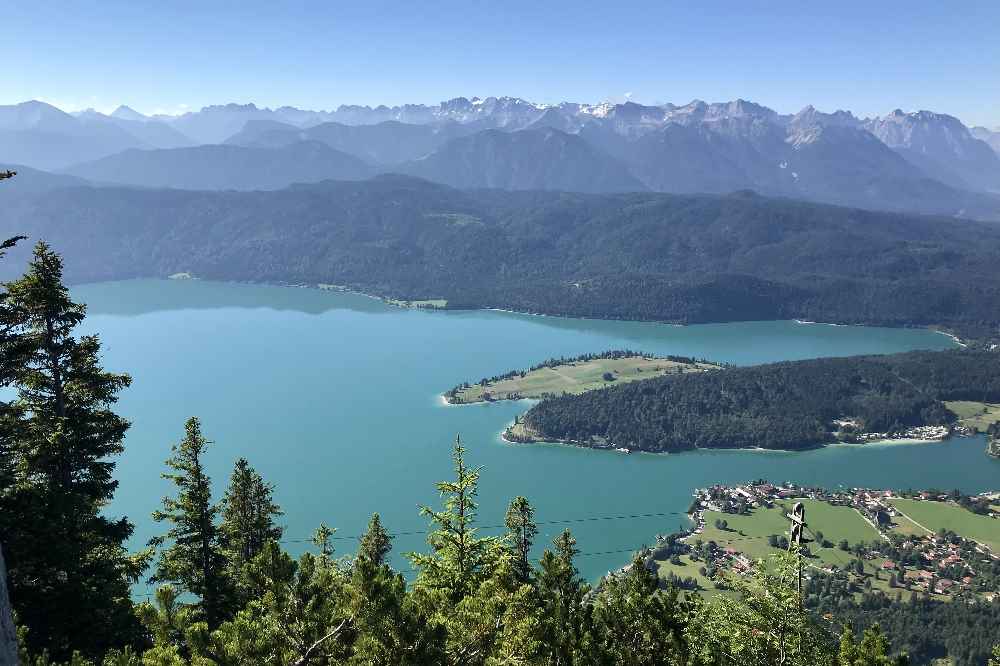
x: 945, y: 567
x: 741, y: 499
x: 928, y: 433
x: 850, y: 430
x: 934, y: 564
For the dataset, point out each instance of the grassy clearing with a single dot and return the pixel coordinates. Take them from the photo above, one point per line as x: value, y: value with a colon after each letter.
x: 577, y: 377
x: 687, y: 568
x: 907, y: 527
x: 937, y: 515
x: 748, y: 534
x: 978, y: 415
x: 837, y: 522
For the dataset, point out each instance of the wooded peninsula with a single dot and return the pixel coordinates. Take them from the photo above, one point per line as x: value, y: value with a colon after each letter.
x: 790, y: 405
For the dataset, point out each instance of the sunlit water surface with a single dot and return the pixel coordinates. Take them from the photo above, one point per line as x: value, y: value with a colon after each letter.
x: 335, y: 399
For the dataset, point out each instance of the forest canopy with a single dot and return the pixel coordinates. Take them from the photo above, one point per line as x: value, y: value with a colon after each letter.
x: 789, y: 405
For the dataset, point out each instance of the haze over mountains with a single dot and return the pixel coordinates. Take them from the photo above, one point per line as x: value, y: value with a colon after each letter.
x: 918, y: 162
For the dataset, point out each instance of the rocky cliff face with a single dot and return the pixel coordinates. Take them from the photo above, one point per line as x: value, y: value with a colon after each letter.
x: 8, y: 639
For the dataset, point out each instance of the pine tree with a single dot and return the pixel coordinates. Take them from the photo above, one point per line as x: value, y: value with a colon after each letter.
x: 498, y: 622
x: 522, y: 533
x: 7, y: 467
x: 873, y: 650
x: 389, y: 627
x: 69, y: 571
x: 458, y: 555
x: 248, y: 514
x: 376, y: 543
x: 194, y: 559
x: 634, y: 624
x: 848, y: 652
x: 299, y: 617
x: 562, y: 592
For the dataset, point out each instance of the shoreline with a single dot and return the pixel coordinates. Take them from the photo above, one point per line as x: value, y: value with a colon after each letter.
x: 443, y: 401
x: 892, y: 441
x: 386, y: 300
x: 957, y: 340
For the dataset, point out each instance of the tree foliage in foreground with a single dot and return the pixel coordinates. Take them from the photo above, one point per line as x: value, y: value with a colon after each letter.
x: 470, y: 604
x: 69, y: 573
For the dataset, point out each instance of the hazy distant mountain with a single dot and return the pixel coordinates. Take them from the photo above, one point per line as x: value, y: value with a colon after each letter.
x: 33, y: 181
x: 225, y: 167
x: 214, y: 124
x: 726, y: 147
x: 40, y: 135
x: 941, y: 146
x: 386, y: 143
x: 991, y: 137
x: 541, y: 159
x: 921, y: 162
x: 150, y: 133
x: 36, y: 115
x: 266, y: 133
x: 841, y: 164
x: 127, y: 113
x: 677, y: 158
x: 492, y: 112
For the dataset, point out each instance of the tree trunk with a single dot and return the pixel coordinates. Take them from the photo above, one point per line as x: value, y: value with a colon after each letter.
x: 8, y: 638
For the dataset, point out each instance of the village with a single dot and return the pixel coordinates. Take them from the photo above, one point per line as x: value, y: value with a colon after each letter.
x: 849, y: 430
x: 935, y: 543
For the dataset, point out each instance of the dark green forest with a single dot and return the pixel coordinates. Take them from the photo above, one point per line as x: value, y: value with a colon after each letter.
x: 787, y: 405
x: 925, y: 628
x: 677, y: 258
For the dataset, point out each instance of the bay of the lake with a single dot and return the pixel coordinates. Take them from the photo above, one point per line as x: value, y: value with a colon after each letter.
x: 334, y: 398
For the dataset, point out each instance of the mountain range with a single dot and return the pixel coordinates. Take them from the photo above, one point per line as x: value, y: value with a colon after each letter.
x: 916, y: 162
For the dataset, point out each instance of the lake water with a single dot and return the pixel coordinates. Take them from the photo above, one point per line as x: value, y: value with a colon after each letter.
x: 334, y: 398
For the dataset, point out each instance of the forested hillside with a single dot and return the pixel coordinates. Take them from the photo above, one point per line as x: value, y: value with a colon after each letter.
x: 787, y: 405
x: 636, y: 256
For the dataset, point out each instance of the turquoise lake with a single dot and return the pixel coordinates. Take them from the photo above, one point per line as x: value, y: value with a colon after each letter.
x: 334, y: 398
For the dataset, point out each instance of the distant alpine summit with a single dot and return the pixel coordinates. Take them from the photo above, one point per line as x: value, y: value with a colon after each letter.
x: 921, y: 161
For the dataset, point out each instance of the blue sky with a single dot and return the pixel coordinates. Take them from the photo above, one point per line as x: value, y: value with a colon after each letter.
x: 869, y: 57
